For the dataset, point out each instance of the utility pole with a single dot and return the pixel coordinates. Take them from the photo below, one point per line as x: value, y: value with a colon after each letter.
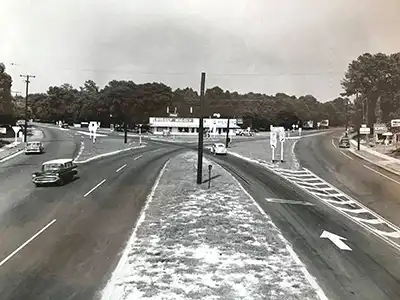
x: 227, y: 134
x: 26, y: 103
x: 201, y: 131
x: 359, y: 124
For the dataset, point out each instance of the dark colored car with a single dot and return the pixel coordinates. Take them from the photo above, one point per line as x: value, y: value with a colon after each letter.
x: 344, y: 142
x: 65, y: 125
x: 58, y: 171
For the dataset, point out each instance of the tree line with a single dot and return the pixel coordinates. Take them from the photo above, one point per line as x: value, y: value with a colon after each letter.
x: 375, y: 79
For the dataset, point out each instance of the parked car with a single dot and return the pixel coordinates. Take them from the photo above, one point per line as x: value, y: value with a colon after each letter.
x: 34, y: 147
x: 218, y: 148
x: 57, y: 171
x: 65, y: 125
x: 344, y: 142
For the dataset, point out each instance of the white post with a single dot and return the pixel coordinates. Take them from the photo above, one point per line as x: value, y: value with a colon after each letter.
x: 16, y: 138
x: 282, y: 151
x: 140, y: 134
x: 273, y: 154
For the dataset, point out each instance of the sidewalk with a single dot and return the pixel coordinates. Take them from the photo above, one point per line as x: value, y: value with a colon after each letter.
x: 384, y: 161
x: 103, y: 147
x: 14, y: 149
x: 196, y: 243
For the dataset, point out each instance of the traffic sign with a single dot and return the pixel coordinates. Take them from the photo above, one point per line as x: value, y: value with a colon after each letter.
x: 16, y: 129
x: 3, y: 130
x: 239, y: 121
x: 273, y: 139
x: 282, y: 136
x: 365, y: 130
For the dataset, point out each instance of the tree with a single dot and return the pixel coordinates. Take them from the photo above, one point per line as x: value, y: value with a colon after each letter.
x: 6, y: 103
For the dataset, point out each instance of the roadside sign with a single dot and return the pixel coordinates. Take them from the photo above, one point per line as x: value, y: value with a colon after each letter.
x: 3, y: 130
x: 16, y: 129
x: 365, y: 130
x: 239, y: 121
x: 380, y: 128
x: 282, y: 136
x: 395, y: 123
x: 273, y: 139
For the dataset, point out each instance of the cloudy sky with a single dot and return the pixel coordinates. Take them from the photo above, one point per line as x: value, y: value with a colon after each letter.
x: 268, y: 46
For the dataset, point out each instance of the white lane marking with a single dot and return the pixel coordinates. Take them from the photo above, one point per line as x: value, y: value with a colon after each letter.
x: 137, y: 157
x: 283, y: 201
x: 333, y: 144
x: 393, y: 234
x: 369, y: 221
x: 94, y: 188
x: 339, y: 202
x: 11, y: 156
x: 108, y: 291
x: 354, y: 210
x: 387, y: 177
x: 348, y: 156
x: 26, y: 243
x: 80, y: 151
x: 119, y: 169
x: 336, y: 239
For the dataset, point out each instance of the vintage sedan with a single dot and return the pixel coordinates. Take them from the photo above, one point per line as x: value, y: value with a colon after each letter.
x: 218, y: 149
x: 34, y: 147
x: 57, y: 171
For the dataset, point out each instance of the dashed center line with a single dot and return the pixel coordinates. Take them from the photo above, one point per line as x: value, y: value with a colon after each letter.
x: 348, y: 156
x: 387, y: 177
x: 137, y: 157
x: 333, y: 144
x: 283, y: 201
x: 95, y: 187
x: 27, y: 242
x: 119, y: 169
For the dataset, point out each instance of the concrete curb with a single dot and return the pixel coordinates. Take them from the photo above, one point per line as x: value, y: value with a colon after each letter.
x: 107, y: 154
x: 374, y: 163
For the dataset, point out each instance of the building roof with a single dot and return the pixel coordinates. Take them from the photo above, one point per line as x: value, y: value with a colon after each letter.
x: 58, y: 161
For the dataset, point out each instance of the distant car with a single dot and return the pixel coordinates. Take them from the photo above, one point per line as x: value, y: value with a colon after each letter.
x: 34, y: 147
x: 344, y: 142
x: 64, y: 125
x: 218, y: 148
x: 57, y: 171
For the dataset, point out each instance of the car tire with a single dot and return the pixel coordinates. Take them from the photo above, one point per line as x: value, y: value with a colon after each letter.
x: 38, y: 185
x: 61, y: 182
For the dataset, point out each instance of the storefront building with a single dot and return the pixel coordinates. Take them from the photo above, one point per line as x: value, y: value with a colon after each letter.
x: 190, y: 126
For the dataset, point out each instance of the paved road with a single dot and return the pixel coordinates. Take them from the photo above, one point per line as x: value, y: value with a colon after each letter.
x: 73, y: 256
x: 370, y: 271
x: 370, y: 185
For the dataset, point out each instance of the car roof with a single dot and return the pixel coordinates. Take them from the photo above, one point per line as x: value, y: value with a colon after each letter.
x: 219, y: 144
x: 58, y: 161
x: 31, y: 142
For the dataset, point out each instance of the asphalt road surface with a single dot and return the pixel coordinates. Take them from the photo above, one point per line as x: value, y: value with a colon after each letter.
x: 64, y: 242
x: 369, y: 184
x: 370, y: 271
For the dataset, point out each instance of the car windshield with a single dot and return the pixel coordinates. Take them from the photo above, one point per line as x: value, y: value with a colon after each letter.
x: 51, y: 167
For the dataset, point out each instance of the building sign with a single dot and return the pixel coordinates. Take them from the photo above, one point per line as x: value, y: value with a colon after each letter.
x: 380, y: 128
x: 171, y: 120
x: 3, y: 130
x: 395, y: 123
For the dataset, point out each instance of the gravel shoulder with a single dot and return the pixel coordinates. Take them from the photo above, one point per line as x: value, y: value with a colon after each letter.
x: 192, y: 242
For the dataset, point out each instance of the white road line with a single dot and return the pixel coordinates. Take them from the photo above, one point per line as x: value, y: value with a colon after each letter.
x: 80, y: 151
x: 393, y: 234
x: 333, y: 144
x: 339, y: 202
x: 94, y: 188
x: 283, y: 201
x: 26, y: 243
x: 370, y: 221
x: 354, y: 210
x: 395, y: 181
x: 119, y: 169
x: 348, y: 156
x: 137, y: 157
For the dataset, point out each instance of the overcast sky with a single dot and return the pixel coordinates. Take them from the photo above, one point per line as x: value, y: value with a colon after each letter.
x: 293, y: 46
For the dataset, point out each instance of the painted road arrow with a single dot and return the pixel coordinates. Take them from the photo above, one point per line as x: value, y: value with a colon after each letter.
x: 336, y: 239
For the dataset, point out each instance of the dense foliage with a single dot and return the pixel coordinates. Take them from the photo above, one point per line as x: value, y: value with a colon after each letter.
x: 376, y: 79
x: 6, y: 105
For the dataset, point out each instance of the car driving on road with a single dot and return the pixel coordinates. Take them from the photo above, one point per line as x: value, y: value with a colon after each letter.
x: 57, y: 171
x: 34, y: 147
x: 218, y: 148
x: 344, y: 142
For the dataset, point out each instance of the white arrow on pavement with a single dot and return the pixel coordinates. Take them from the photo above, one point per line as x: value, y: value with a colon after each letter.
x: 336, y: 239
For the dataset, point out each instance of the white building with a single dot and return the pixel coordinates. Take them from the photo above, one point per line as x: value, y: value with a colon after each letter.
x: 190, y: 126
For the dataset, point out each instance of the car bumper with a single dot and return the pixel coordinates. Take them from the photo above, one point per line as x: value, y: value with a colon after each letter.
x: 221, y: 153
x: 44, y: 180
x: 33, y: 151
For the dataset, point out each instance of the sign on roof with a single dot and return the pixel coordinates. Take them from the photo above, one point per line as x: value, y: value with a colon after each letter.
x: 395, y: 123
